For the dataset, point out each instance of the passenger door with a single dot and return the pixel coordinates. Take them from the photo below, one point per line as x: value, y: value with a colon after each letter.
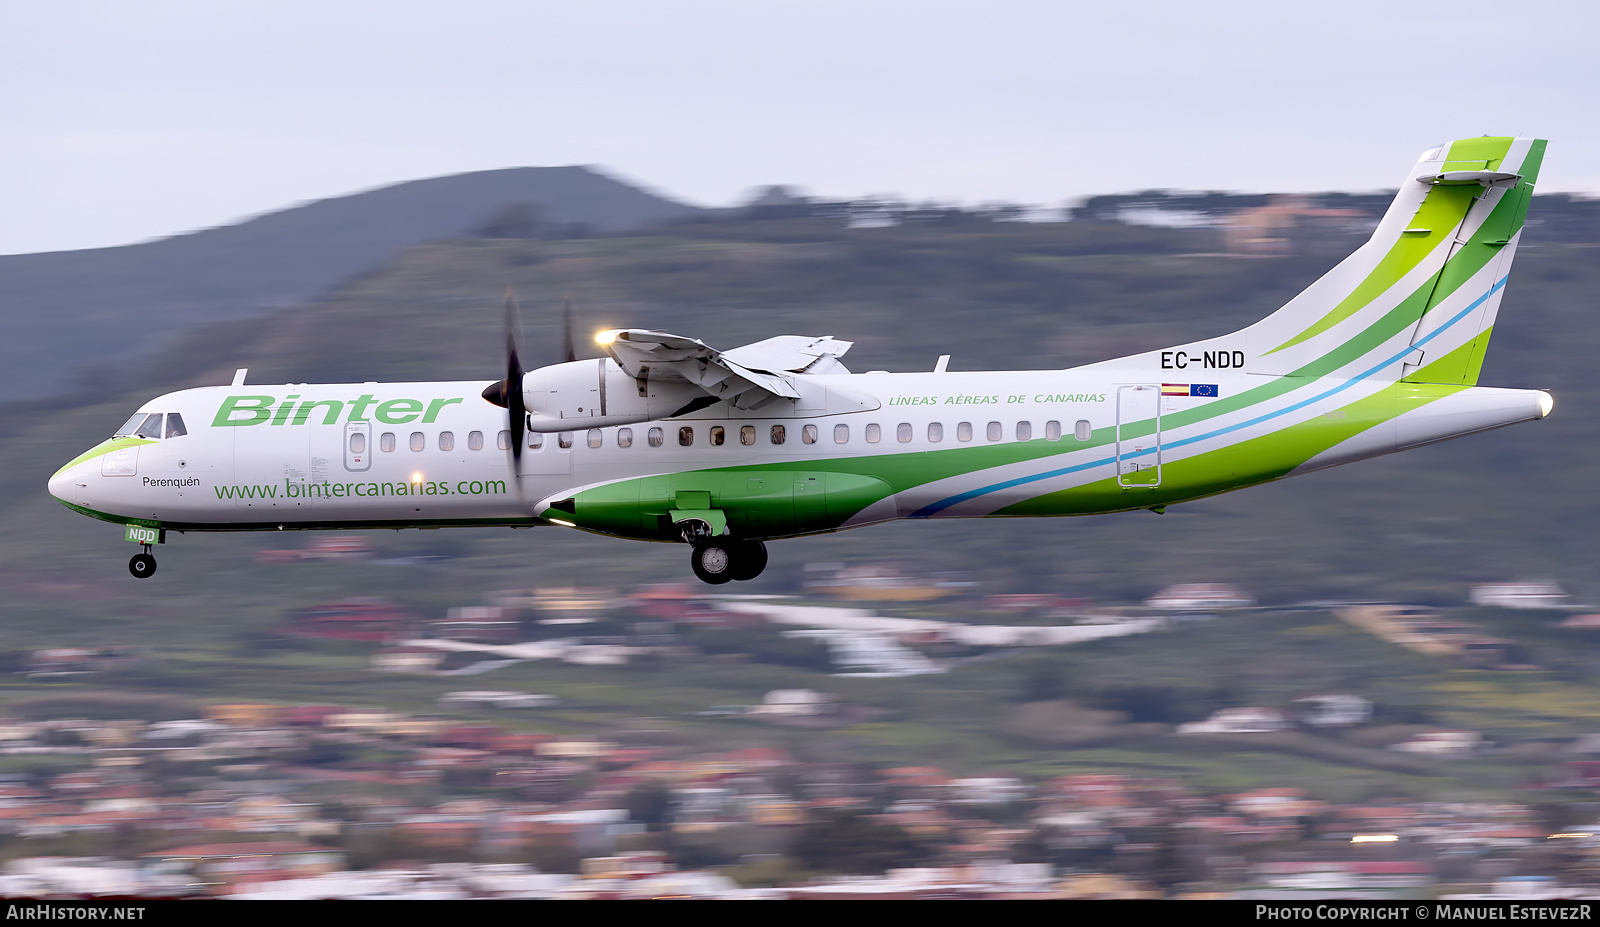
x: 1139, y: 436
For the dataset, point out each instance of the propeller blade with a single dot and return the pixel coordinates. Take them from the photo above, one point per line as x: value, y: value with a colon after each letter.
x: 566, y: 329
x: 517, y: 411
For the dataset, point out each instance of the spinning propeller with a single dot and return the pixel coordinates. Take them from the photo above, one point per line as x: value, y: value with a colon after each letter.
x: 507, y: 393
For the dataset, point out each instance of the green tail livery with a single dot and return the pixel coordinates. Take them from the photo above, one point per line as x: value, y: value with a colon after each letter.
x: 668, y: 439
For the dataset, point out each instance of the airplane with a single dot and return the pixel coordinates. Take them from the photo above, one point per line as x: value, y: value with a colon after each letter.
x: 667, y: 439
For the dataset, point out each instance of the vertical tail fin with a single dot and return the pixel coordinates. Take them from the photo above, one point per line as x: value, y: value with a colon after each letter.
x: 1419, y: 299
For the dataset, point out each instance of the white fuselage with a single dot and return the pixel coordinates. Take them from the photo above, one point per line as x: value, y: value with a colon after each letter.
x: 398, y: 454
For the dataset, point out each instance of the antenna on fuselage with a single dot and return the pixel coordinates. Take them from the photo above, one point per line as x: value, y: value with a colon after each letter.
x: 238, y: 376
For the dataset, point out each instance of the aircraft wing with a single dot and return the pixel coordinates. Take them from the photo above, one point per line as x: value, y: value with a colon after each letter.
x: 746, y: 377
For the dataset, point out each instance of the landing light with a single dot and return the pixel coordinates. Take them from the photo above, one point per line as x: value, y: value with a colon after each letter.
x: 1547, y: 403
x: 605, y: 337
x: 564, y: 524
x: 416, y: 477
x: 1374, y: 838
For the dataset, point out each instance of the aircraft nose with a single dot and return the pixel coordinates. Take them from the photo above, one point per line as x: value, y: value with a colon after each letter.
x: 64, y: 484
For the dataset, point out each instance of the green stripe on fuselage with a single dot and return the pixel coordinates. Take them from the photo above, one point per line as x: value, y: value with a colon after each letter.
x: 1245, y: 463
x: 104, y: 447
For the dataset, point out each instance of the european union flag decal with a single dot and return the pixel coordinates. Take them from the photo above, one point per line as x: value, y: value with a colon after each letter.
x: 1208, y: 390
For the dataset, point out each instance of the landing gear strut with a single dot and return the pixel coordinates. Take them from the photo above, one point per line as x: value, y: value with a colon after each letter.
x: 718, y: 560
x: 142, y: 566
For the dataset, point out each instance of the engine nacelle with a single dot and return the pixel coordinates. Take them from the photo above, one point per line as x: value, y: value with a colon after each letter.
x: 598, y: 393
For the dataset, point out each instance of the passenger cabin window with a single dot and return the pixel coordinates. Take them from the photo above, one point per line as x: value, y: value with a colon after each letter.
x: 841, y: 434
x: 596, y: 438
x: 935, y: 432
x: 503, y: 440
x: 993, y: 431
x: 964, y: 431
x: 1052, y: 431
x: 874, y: 433
x: 779, y: 434
x: 656, y: 437
x: 902, y: 433
x: 747, y: 434
x: 418, y: 442
x: 685, y: 436
x: 564, y: 439
x: 386, y: 442
x: 447, y: 440
x: 718, y: 435
x: 1024, y: 431
x: 358, y: 442
x: 1082, y: 431
x: 175, y: 427
x: 808, y: 434
x: 535, y: 440
x: 624, y: 437
x: 474, y: 440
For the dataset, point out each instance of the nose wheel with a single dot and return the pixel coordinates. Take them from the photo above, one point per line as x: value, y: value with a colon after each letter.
x: 142, y: 566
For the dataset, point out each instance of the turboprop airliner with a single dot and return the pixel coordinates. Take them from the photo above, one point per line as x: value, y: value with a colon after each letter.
x: 668, y: 439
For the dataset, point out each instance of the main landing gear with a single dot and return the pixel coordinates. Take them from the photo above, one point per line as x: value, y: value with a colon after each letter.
x: 142, y: 566
x: 718, y: 560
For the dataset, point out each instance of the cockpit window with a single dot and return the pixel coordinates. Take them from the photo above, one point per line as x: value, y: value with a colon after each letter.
x: 144, y: 424
x: 148, y: 425
x: 131, y: 425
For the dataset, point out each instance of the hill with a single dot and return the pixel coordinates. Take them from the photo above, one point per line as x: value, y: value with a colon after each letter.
x: 65, y: 316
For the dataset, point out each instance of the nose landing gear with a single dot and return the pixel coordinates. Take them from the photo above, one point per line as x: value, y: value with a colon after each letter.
x: 142, y: 566
x: 719, y: 560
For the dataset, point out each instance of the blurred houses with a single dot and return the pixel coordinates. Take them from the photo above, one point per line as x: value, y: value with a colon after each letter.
x: 1519, y: 595
x: 1239, y: 721
x: 876, y: 583
x: 321, y: 549
x: 1423, y: 630
x: 1194, y: 597
x: 1274, y: 228
x: 557, y: 603
x: 793, y: 703
x: 496, y: 699
x: 1333, y: 710
x: 362, y: 619
x: 488, y: 624
x: 1258, y: 225
x: 404, y: 659
x: 569, y: 799
x: 75, y: 661
x: 1447, y: 744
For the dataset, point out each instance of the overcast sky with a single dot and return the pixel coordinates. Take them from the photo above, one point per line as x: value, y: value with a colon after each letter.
x: 122, y: 122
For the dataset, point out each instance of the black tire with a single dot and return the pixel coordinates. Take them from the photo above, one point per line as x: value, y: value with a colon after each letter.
x: 713, y: 561
x: 142, y: 566
x: 750, y: 558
